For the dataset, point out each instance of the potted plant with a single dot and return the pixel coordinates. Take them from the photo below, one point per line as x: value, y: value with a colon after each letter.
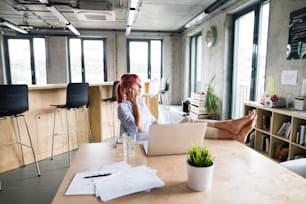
x: 200, y: 167
x: 212, y: 102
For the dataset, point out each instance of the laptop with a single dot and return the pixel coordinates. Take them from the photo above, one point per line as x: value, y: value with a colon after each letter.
x: 168, y: 139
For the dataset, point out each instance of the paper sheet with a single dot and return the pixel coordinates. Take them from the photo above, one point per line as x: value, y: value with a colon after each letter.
x: 289, y: 77
x: 137, y: 179
x: 84, y: 186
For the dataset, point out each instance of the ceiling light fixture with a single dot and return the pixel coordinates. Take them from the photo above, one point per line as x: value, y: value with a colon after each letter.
x: 62, y: 18
x: 58, y: 14
x: 128, y: 30
x: 134, y: 4
x: 196, y: 20
x: 73, y: 29
x: 44, y: 1
x: 131, y: 16
x: 14, y: 27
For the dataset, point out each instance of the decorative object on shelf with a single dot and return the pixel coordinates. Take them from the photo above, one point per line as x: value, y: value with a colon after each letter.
x: 211, y: 36
x: 212, y: 102
x: 200, y: 168
x: 273, y: 101
x: 299, y: 103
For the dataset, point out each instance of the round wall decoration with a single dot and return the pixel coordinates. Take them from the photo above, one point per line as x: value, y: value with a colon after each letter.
x: 211, y: 36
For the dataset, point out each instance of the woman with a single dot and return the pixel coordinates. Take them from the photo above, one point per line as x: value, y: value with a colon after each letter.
x: 136, y: 117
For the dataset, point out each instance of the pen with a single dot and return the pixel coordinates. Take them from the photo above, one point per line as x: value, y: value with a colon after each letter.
x: 98, y: 175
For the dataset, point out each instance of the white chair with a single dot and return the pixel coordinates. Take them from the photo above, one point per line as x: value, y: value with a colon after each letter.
x: 164, y: 98
x: 154, y: 87
x: 153, y: 90
x: 296, y: 165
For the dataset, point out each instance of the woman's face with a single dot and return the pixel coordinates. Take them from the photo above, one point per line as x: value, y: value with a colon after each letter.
x: 137, y: 86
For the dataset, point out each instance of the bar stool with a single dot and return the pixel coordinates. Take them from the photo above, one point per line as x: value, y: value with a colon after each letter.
x: 76, y: 98
x: 113, y: 100
x: 14, y: 102
x: 164, y: 98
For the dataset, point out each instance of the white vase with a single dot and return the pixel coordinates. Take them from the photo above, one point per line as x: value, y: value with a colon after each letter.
x: 200, y: 178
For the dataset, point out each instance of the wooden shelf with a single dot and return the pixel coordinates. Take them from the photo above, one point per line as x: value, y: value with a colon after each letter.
x: 267, y: 141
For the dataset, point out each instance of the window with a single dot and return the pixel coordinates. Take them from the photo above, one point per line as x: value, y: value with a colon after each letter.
x: 26, y: 61
x: 87, y: 60
x: 145, y: 58
x: 249, y: 60
x: 195, y: 62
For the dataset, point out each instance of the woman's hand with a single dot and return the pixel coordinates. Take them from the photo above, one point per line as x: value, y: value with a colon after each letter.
x: 131, y: 96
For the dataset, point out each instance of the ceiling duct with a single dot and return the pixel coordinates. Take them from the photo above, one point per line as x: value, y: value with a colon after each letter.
x: 95, y: 11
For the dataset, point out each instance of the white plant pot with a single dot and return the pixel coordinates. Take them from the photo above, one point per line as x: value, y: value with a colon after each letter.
x: 200, y: 178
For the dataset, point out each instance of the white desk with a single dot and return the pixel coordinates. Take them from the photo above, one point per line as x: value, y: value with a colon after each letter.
x: 241, y: 176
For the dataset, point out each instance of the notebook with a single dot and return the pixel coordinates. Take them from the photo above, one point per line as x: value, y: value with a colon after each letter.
x: 170, y: 139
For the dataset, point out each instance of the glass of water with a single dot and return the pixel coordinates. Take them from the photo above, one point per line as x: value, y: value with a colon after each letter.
x: 129, y: 142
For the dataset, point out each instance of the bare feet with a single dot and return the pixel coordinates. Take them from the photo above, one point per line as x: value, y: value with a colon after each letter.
x: 235, y: 126
x: 242, y: 136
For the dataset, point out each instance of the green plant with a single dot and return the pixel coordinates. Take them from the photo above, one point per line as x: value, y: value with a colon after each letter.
x: 212, y: 103
x: 199, y: 156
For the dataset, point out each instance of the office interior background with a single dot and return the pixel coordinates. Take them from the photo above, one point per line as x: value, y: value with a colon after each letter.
x: 243, y: 43
x: 250, y: 45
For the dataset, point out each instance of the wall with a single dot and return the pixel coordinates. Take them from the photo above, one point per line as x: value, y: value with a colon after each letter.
x: 56, y: 60
x: 216, y: 60
x: 277, y: 47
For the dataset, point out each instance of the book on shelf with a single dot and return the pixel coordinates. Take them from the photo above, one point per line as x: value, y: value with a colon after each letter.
x: 198, y: 95
x: 285, y: 129
x: 198, y: 103
x: 195, y: 116
x: 265, y: 143
x: 301, y: 135
x: 265, y: 122
x: 280, y: 150
x: 198, y: 109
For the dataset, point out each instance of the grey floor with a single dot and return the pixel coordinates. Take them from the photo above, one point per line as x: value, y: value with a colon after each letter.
x: 23, y: 186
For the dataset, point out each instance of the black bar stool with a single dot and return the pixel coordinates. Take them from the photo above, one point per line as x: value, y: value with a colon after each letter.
x: 113, y: 100
x: 14, y: 102
x: 76, y: 98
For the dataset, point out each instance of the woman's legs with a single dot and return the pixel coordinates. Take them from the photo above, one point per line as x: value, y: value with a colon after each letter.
x: 233, y: 126
x: 218, y: 133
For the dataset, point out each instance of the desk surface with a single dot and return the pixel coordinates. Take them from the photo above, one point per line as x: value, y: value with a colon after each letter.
x: 241, y: 175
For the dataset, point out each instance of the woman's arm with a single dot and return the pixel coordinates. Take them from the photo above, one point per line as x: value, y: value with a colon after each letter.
x: 131, y: 96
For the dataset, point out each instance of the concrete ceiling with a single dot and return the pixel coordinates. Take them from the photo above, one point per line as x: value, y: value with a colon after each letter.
x: 151, y: 15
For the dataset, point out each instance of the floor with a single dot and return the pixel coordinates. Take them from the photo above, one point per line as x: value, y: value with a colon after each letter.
x: 23, y: 186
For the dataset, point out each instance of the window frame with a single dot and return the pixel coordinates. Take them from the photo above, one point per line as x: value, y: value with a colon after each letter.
x: 257, y: 8
x: 149, y: 55
x: 83, y: 71
x: 32, y: 57
x: 193, y: 73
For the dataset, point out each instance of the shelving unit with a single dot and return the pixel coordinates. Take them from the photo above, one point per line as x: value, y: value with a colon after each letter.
x: 266, y: 139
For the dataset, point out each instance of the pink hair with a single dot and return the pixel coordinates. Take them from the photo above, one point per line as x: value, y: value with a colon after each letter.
x: 126, y: 82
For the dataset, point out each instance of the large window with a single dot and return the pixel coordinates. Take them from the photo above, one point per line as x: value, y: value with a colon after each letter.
x: 195, y: 62
x: 87, y: 60
x: 145, y: 58
x: 26, y: 61
x: 249, y: 62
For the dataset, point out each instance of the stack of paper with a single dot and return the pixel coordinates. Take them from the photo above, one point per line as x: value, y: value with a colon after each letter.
x: 114, y: 180
x: 137, y: 179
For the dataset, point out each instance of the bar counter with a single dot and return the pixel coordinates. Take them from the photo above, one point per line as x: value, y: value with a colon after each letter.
x: 40, y: 120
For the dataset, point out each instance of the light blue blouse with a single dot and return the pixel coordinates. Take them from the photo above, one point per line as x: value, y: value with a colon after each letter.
x: 127, y: 119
